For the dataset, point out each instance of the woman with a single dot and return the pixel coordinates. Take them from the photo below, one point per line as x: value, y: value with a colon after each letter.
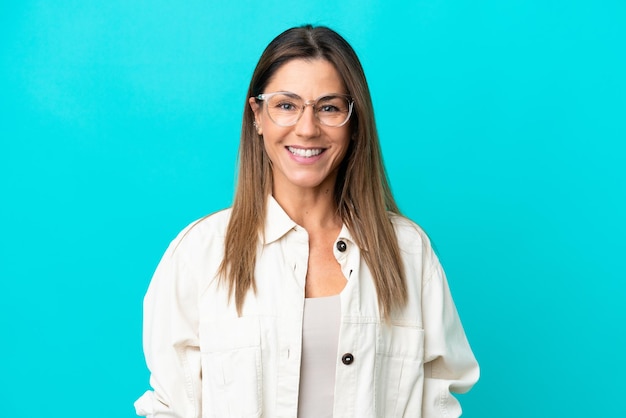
x: 312, y: 296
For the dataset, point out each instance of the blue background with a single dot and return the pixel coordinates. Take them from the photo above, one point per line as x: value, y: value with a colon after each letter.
x: 503, y: 128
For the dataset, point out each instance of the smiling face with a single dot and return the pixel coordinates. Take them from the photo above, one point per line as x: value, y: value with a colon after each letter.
x: 308, y: 154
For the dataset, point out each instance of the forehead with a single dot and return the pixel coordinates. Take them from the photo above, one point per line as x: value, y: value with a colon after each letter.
x: 307, y: 78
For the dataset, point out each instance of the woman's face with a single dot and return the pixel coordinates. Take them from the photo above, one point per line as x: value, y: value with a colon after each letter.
x: 306, y: 155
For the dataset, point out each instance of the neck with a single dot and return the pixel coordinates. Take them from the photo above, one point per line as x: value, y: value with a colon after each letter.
x: 313, y: 209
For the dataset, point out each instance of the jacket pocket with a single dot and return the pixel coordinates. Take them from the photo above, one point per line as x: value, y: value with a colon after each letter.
x: 399, y: 371
x: 231, y: 368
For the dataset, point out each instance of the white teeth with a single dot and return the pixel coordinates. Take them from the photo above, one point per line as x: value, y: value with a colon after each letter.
x: 307, y: 153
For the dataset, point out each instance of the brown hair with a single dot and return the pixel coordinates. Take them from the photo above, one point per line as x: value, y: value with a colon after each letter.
x: 362, y: 192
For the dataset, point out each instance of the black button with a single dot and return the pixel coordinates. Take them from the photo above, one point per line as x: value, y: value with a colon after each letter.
x: 341, y: 246
x: 347, y: 359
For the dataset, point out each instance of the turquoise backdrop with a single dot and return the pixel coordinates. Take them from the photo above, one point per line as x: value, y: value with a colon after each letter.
x: 503, y: 125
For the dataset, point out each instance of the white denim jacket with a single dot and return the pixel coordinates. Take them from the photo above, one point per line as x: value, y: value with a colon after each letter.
x: 205, y: 361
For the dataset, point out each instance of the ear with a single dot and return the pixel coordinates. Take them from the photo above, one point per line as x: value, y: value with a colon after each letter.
x: 256, y: 109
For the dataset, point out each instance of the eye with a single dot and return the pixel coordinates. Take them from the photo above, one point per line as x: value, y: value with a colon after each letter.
x: 332, y: 104
x: 284, y: 103
x: 328, y: 108
x: 286, y: 106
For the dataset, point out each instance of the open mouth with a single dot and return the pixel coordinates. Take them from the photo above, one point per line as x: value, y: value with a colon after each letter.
x: 305, y: 153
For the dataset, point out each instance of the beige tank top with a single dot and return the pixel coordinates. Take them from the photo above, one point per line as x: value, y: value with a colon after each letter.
x: 320, y: 338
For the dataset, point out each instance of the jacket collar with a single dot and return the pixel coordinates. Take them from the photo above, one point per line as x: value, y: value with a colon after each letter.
x: 278, y: 223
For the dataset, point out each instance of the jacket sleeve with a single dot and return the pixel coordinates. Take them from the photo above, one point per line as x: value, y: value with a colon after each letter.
x: 170, y: 339
x: 449, y: 364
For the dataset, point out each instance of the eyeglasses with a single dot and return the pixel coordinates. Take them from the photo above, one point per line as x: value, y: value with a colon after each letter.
x: 286, y: 109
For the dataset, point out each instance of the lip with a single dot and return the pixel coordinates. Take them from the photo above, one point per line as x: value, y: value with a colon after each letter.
x: 301, y: 156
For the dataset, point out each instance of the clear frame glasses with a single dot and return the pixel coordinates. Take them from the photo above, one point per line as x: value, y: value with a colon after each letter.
x: 285, y: 108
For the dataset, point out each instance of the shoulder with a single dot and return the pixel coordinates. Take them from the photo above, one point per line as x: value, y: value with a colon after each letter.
x: 411, y: 236
x: 202, y: 234
x: 213, y: 223
x: 416, y: 250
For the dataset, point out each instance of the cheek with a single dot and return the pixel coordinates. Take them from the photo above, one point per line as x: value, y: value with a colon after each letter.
x: 344, y: 142
x: 271, y: 143
x: 347, y: 147
x: 269, y: 137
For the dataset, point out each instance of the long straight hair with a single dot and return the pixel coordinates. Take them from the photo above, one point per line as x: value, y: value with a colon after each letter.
x: 362, y: 193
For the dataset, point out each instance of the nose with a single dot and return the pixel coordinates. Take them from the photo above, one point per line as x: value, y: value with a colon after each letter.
x: 307, y: 125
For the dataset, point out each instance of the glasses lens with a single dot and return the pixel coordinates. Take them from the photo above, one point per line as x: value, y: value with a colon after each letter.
x: 333, y: 110
x: 284, y: 109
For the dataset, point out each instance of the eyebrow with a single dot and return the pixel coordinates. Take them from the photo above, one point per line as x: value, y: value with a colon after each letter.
x: 289, y: 93
x: 323, y: 96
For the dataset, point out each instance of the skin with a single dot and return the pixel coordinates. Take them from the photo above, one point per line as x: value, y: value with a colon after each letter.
x: 304, y: 186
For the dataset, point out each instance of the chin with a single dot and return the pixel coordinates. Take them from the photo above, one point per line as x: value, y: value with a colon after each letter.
x: 308, y: 182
